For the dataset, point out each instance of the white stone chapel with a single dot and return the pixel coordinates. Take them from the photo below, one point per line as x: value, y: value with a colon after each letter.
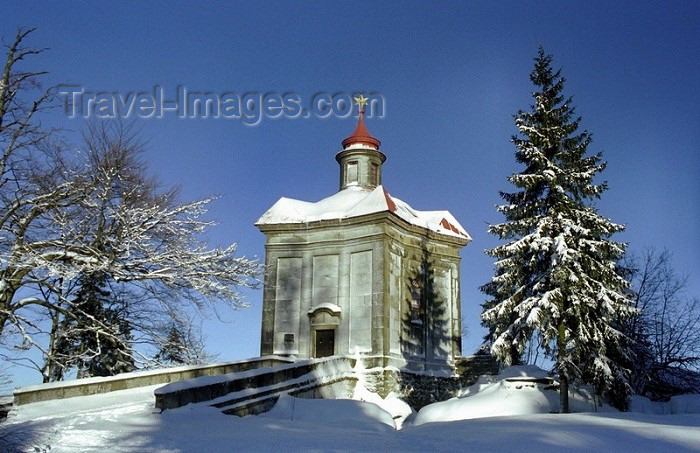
x: 361, y: 272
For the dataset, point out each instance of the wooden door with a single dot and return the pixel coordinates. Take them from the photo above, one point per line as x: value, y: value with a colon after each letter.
x: 325, y: 343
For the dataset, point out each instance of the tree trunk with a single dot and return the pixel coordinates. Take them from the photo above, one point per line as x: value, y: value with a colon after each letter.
x: 563, y: 374
x: 50, y: 370
x: 3, y: 318
x: 563, y: 394
x: 6, y: 296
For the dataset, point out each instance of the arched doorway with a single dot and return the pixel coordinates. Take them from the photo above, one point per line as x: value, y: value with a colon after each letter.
x: 325, y: 319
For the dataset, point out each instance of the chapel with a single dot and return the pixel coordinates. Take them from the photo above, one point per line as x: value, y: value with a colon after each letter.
x: 361, y: 272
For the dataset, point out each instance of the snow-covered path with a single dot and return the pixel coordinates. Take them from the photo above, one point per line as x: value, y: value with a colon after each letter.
x: 125, y: 421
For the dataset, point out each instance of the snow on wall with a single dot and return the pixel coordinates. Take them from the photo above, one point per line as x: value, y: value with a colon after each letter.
x: 354, y: 202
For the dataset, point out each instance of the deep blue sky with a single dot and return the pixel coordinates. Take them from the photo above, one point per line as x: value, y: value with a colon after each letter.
x: 452, y: 74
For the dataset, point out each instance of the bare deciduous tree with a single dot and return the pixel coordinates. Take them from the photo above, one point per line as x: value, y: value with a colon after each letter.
x: 66, y: 215
x: 666, y: 333
x: 33, y: 177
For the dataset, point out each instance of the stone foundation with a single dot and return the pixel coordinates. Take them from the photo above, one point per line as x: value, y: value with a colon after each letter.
x: 418, y: 388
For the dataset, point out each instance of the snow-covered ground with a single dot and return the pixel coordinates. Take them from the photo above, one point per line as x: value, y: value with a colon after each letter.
x: 493, y: 415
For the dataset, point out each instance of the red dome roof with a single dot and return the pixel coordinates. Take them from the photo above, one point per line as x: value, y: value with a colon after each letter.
x: 361, y: 135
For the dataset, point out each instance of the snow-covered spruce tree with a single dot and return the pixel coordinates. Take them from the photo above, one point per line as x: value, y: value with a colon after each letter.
x: 95, y: 336
x: 181, y: 343
x: 173, y: 349
x: 557, y: 274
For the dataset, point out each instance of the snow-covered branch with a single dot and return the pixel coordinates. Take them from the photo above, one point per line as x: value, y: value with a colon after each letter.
x: 70, y: 217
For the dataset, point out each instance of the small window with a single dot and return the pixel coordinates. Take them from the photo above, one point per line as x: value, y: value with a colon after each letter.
x: 351, y: 172
x: 374, y: 174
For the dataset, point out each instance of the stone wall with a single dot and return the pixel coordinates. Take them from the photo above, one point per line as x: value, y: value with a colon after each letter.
x: 419, y: 389
x: 91, y: 386
x: 470, y: 368
x: 334, y: 377
x: 253, y: 386
x: 243, y: 393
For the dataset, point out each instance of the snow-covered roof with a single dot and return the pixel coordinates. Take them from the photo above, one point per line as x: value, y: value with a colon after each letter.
x: 356, y: 201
